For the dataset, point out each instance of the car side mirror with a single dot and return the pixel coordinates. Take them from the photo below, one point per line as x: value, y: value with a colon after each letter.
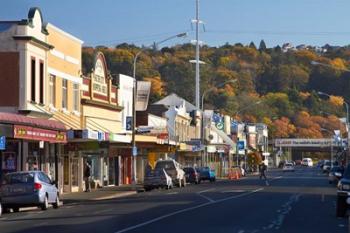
x: 53, y: 182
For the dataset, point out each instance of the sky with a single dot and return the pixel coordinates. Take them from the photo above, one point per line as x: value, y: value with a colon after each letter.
x: 142, y: 22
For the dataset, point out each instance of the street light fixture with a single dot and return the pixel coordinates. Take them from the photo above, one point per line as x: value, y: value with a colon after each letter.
x: 133, y: 142
x: 347, y: 118
x: 202, y: 108
x: 250, y: 105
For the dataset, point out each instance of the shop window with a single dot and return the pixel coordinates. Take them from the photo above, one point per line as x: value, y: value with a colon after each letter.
x: 33, y: 79
x: 52, y: 90
x: 64, y: 93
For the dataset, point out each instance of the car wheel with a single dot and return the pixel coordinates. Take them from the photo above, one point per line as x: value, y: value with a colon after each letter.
x: 341, y: 206
x: 57, y: 203
x: 179, y: 183
x: 184, y: 181
x: 0, y: 209
x: 45, y: 205
x: 330, y: 182
x: 15, y: 209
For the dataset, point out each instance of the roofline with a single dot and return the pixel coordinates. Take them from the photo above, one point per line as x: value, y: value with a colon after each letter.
x: 65, y: 33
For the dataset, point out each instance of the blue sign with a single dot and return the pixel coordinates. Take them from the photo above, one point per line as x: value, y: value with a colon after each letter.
x: 134, y: 151
x: 240, y: 145
x: 217, y: 118
x: 2, y: 143
x: 128, y: 123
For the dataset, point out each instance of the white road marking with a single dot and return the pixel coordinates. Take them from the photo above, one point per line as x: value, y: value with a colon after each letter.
x: 234, y: 191
x: 185, y: 210
x: 206, y: 190
x: 205, y: 197
x: 172, y: 193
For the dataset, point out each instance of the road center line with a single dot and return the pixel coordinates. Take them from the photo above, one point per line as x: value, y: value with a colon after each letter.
x: 186, y: 210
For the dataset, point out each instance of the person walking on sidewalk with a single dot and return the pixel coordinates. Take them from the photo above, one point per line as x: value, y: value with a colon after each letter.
x: 262, y: 170
x: 87, y: 175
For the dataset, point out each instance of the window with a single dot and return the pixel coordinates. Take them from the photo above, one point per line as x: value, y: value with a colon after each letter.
x: 52, y: 89
x: 32, y: 79
x: 64, y: 93
x: 41, y: 82
x: 76, y: 97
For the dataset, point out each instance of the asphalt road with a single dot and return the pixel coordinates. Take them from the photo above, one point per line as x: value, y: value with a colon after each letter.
x: 302, y: 201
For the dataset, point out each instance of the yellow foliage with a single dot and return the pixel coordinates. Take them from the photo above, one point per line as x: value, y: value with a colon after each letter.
x: 304, y: 95
x: 156, y: 85
x: 338, y: 63
x: 336, y: 100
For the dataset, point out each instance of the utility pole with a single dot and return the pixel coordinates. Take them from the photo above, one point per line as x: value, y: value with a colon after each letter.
x: 197, y: 42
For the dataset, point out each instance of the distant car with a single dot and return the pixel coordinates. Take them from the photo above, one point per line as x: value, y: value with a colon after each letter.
x: 335, y: 174
x: 29, y: 188
x: 288, y: 167
x: 307, y: 162
x: 173, y: 169
x: 157, y: 178
x: 326, y: 166
x: 207, y: 174
x: 298, y: 162
x: 320, y: 163
x: 192, y: 175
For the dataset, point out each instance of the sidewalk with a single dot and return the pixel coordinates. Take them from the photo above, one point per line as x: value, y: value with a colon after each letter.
x: 104, y: 193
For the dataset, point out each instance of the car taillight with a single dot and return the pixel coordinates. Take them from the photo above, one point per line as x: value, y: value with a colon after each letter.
x: 37, y: 186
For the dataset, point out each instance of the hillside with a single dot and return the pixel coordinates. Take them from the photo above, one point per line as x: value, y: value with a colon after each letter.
x: 273, y: 86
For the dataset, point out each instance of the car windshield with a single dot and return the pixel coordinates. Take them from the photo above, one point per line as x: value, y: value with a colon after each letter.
x: 19, y: 178
x: 328, y: 163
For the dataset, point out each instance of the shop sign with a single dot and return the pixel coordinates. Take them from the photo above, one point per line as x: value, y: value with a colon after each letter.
x: 2, y: 143
x: 129, y: 123
x: 89, y: 134
x: 211, y: 149
x: 31, y: 133
x: 101, y: 136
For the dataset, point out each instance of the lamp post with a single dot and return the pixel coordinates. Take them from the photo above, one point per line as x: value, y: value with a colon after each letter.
x: 347, y: 119
x: 236, y: 114
x: 133, y: 142
x: 202, y: 110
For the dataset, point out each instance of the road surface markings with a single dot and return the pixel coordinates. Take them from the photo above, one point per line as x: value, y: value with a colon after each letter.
x: 206, y: 190
x: 172, y: 193
x: 186, y: 210
x: 234, y: 191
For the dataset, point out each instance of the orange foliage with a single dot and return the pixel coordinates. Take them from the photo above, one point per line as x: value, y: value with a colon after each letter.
x: 336, y: 100
x: 283, y: 128
x: 156, y: 85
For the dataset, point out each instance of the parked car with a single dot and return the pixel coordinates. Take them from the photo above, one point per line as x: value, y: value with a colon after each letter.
x: 298, y: 162
x: 307, y: 162
x: 30, y: 188
x: 320, y: 164
x: 192, y: 175
x: 343, y: 193
x: 335, y: 174
x: 174, y: 170
x: 207, y: 174
x: 157, y: 178
x: 288, y: 167
x: 326, y: 166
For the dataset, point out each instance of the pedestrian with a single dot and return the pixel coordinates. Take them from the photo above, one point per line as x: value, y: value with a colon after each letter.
x: 262, y: 170
x: 87, y: 175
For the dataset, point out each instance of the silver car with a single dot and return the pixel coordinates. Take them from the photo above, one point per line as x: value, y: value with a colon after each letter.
x: 30, y: 188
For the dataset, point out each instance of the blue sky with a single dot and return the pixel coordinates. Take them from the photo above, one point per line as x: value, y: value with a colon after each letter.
x: 142, y: 22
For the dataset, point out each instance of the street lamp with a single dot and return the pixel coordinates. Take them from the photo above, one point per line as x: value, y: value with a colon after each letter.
x: 346, y: 121
x: 202, y: 108
x: 133, y: 142
x: 246, y: 107
x: 331, y: 133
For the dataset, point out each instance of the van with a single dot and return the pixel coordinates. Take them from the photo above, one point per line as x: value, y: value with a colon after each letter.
x: 307, y: 162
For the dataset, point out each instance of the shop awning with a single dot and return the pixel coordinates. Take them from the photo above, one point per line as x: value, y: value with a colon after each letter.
x: 17, y: 119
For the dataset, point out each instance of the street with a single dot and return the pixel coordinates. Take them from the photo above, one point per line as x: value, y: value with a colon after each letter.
x: 300, y: 201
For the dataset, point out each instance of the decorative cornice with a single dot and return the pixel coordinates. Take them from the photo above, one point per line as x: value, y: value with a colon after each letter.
x: 101, y: 104
x: 35, y: 40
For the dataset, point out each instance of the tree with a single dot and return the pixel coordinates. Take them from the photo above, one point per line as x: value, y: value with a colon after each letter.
x: 252, y: 45
x: 262, y: 46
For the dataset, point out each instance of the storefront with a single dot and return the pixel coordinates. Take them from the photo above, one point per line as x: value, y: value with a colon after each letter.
x: 30, y: 144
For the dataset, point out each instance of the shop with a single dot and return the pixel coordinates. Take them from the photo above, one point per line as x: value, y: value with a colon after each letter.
x: 30, y: 144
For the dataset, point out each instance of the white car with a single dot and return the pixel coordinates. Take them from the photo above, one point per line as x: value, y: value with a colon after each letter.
x: 307, y: 162
x: 288, y: 167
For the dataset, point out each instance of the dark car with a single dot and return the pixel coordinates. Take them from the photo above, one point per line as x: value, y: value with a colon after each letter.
x: 335, y: 174
x: 32, y: 188
x: 192, y: 175
x: 343, y: 193
x: 207, y: 174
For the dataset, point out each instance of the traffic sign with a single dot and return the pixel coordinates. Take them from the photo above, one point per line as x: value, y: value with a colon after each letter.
x: 2, y: 143
x: 128, y: 123
x: 134, y: 151
x: 220, y: 125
